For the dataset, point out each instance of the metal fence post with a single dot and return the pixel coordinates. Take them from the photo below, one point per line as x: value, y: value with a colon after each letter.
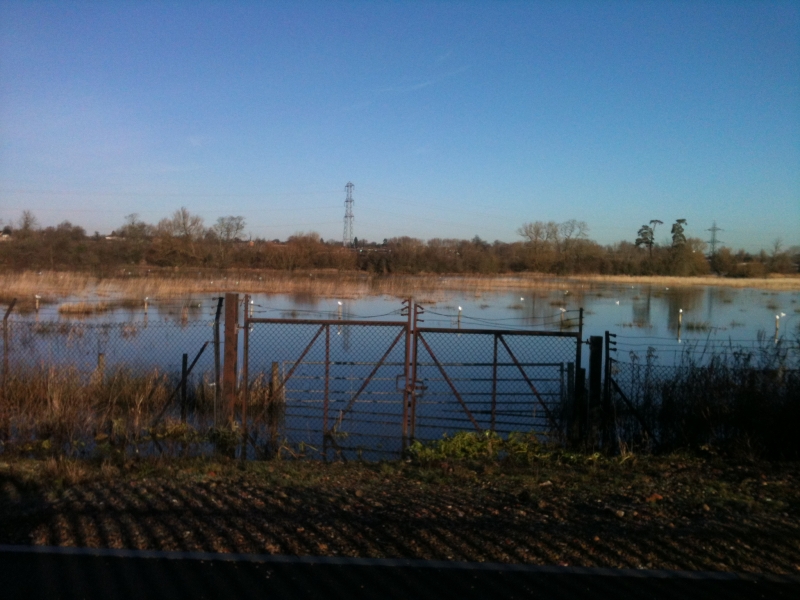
x: 607, y: 408
x: 407, y: 391
x: 231, y: 354
x: 595, y: 387
x: 418, y: 310
x: 494, y: 384
x: 245, y: 372
x: 5, y: 341
x: 326, y: 397
x: 184, y: 375
x: 217, y: 364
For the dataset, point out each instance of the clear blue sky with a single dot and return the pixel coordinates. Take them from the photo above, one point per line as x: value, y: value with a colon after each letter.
x: 452, y: 119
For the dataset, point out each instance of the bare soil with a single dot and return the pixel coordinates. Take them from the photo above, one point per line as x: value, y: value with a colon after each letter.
x: 643, y: 512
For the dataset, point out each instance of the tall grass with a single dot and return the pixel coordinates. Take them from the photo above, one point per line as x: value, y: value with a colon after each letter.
x: 743, y: 402
x: 63, y: 411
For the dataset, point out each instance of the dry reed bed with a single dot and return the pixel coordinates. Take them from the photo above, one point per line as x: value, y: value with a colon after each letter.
x: 61, y: 410
x: 164, y: 284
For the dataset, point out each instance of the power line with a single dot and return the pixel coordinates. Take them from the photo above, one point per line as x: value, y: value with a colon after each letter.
x: 714, y: 241
x: 347, y: 238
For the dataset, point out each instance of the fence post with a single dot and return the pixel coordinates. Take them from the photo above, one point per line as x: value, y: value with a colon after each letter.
x: 231, y: 354
x: 595, y: 387
x: 418, y: 310
x: 245, y: 374
x: 581, y: 405
x: 217, y: 365
x: 184, y: 369
x: 5, y: 341
x: 409, y: 307
x: 494, y: 384
x: 607, y: 406
x: 326, y: 397
x: 100, y: 373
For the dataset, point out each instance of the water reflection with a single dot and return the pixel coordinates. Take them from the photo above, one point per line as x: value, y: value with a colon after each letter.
x: 641, y: 307
x: 687, y: 300
x: 641, y: 314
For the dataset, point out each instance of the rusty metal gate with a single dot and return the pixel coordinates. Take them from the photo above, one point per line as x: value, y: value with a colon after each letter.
x: 367, y: 388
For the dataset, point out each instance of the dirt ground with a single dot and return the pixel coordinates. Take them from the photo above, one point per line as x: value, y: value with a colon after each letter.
x: 642, y: 512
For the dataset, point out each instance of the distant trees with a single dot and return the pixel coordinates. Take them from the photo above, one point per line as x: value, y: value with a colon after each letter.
x: 134, y: 229
x: 27, y: 224
x: 556, y: 247
x: 647, y: 235
x: 229, y: 228
x: 678, y: 236
x: 182, y: 240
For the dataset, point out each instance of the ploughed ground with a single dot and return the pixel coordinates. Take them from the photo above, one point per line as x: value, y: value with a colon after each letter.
x: 672, y: 512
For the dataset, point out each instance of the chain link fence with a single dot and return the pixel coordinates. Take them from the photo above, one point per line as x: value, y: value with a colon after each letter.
x: 501, y: 381
x: 332, y: 388
x: 730, y: 402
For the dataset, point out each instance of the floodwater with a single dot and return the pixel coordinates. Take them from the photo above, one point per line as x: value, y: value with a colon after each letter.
x: 668, y: 321
x: 664, y: 323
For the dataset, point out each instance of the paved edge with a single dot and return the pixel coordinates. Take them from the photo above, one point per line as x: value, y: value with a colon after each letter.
x: 397, y: 562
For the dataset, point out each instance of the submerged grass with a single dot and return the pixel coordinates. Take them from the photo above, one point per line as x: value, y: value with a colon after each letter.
x: 60, y: 411
x: 135, y: 285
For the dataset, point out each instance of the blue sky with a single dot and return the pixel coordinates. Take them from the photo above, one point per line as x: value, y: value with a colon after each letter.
x: 452, y: 119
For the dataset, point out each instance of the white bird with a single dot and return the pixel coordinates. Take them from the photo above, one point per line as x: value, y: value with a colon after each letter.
x: 459, y: 309
x: 521, y: 299
x: 680, y: 310
x: 617, y: 302
x: 666, y: 288
x: 783, y: 314
x: 339, y: 302
x: 563, y: 310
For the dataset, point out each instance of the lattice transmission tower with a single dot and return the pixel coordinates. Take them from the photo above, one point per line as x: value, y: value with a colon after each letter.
x: 714, y: 241
x: 347, y: 238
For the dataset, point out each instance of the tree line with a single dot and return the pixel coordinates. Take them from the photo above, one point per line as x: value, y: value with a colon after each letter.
x: 183, y: 240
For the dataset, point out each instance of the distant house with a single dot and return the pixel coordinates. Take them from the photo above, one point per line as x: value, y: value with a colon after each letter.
x: 6, y: 235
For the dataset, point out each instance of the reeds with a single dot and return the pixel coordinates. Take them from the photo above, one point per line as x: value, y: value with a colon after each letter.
x: 326, y: 283
x: 83, y: 308
x: 743, y: 402
x: 62, y: 410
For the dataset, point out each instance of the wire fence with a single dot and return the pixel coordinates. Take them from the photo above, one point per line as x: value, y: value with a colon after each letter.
x: 339, y: 386
x: 744, y: 402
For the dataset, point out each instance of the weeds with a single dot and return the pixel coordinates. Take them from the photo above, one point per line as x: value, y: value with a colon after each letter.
x: 741, y: 402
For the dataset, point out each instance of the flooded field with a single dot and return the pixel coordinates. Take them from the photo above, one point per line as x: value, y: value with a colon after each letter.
x: 331, y: 373
x: 666, y: 319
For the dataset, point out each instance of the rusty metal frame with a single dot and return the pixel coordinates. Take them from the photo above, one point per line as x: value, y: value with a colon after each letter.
x: 449, y: 382
x: 325, y: 325
x: 530, y: 383
x: 372, y: 373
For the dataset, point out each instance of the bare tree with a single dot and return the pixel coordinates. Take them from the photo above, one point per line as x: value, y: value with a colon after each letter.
x: 187, y: 225
x: 134, y: 229
x: 28, y: 223
x: 535, y: 232
x: 229, y: 228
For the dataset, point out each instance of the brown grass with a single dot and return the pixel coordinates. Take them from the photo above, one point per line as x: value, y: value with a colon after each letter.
x: 55, y: 407
x: 83, y: 308
x: 163, y: 284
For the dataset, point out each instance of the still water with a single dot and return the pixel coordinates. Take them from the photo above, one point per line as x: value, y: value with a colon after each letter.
x: 666, y: 320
